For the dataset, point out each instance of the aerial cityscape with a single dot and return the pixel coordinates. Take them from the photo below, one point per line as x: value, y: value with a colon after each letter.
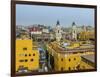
x: 48, y: 47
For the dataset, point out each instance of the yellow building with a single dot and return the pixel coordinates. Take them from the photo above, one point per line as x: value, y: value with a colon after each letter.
x: 27, y: 55
x: 66, y: 60
x: 86, y: 35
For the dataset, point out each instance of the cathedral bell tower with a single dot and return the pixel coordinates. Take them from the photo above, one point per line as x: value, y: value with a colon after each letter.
x: 58, y: 31
x: 74, y: 31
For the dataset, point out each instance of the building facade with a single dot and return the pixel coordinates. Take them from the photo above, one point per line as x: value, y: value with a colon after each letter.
x: 74, y: 31
x: 27, y: 55
x: 61, y: 59
x: 58, y: 31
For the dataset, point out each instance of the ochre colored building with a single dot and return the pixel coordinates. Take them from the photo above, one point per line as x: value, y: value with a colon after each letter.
x: 86, y: 35
x: 27, y: 55
x: 66, y: 60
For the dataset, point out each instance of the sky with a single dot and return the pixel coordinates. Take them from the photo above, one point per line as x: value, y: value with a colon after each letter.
x: 48, y: 15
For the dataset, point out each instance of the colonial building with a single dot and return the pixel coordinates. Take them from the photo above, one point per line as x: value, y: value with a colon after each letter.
x: 58, y: 32
x: 27, y: 55
x: 45, y: 30
x: 74, y: 31
x: 70, y: 58
x: 35, y: 30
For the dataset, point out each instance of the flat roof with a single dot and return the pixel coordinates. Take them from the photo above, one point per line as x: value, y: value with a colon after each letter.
x: 64, y: 51
x: 90, y: 57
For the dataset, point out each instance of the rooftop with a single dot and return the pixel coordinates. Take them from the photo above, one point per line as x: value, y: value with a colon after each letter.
x: 62, y: 50
x: 89, y: 58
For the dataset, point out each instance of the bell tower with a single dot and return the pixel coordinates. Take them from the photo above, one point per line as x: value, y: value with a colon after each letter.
x: 58, y: 31
x: 74, y: 31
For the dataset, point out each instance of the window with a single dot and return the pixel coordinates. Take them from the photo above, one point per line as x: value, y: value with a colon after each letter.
x: 33, y: 54
x: 74, y: 58
x: 58, y: 31
x: 62, y: 69
x: 78, y: 67
x: 74, y: 52
x: 74, y: 31
x: 31, y: 59
x: 29, y: 54
x: 24, y: 48
x: 21, y: 60
x: 81, y: 52
x: 69, y: 59
x: 26, y: 60
x: 69, y: 68
x: 25, y: 54
x: 62, y: 59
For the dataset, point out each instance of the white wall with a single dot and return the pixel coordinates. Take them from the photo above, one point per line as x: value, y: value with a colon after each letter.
x: 5, y: 28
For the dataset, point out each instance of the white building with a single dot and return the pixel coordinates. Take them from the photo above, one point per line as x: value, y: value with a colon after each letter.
x: 58, y: 32
x: 74, y: 31
x: 45, y: 30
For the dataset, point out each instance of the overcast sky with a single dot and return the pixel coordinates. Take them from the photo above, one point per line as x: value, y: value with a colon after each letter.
x: 48, y: 15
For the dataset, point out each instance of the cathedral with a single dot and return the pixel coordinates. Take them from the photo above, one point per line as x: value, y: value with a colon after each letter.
x: 58, y: 31
x: 74, y: 31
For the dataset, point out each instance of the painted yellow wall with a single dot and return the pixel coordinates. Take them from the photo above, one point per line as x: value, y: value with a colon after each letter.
x: 86, y: 35
x: 30, y: 52
x: 75, y: 59
x: 62, y: 61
